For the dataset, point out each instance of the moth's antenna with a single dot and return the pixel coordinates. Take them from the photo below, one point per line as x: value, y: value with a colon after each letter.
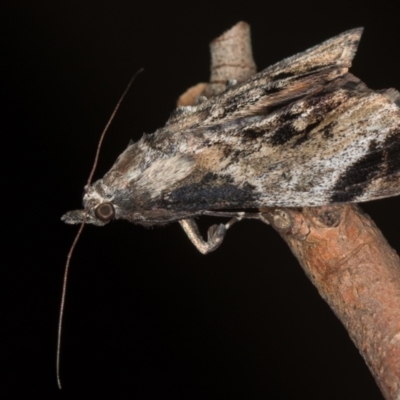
x: 66, y: 270
x: 62, y: 304
x: 96, y: 158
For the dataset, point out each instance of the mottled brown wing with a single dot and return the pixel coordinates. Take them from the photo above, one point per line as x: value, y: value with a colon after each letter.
x: 341, y: 144
x: 281, y: 83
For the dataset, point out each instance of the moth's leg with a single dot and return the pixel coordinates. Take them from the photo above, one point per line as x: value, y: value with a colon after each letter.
x: 215, y: 234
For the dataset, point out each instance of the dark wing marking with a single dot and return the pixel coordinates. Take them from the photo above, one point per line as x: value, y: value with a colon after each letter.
x: 377, y: 173
x: 279, y: 84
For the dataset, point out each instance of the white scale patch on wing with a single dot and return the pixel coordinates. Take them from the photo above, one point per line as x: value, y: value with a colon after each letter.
x: 164, y: 173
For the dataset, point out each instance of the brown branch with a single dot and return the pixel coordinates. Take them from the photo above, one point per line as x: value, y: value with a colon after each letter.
x: 231, y: 59
x: 357, y: 273
x: 340, y: 248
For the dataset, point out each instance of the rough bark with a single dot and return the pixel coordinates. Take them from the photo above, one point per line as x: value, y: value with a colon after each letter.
x: 357, y: 273
x: 339, y: 247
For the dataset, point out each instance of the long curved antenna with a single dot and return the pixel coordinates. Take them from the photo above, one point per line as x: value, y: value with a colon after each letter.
x: 66, y: 270
x: 96, y: 158
x: 62, y: 304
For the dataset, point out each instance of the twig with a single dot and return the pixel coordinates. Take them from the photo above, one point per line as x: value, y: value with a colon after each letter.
x: 339, y: 247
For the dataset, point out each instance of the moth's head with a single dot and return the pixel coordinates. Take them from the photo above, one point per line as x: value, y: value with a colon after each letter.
x: 98, y: 207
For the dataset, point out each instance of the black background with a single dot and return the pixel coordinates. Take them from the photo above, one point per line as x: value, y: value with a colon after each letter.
x: 147, y: 315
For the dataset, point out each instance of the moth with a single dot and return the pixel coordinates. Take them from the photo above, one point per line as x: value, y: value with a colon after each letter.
x: 303, y: 132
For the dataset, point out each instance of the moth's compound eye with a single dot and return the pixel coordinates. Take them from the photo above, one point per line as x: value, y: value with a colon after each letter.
x: 105, y: 212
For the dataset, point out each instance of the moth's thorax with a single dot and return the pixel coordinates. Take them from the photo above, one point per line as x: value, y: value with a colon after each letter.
x: 95, y: 194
